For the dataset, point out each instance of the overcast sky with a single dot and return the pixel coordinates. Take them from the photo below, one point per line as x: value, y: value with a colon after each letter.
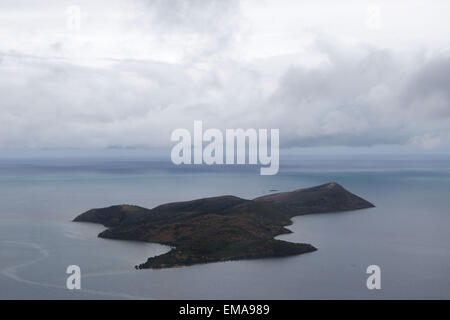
x: 328, y: 74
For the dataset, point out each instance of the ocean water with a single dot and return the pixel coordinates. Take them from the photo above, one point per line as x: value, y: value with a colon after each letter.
x: 407, y: 234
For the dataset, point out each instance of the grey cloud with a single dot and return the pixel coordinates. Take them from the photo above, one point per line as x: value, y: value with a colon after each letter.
x: 52, y: 103
x: 202, y: 16
x: 353, y: 99
x: 58, y: 104
x: 428, y: 90
x: 356, y: 99
x: 342, y: 81
x: 214, y: 21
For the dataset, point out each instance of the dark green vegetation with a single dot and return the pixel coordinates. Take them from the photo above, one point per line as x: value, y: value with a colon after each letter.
x: 222, y: 228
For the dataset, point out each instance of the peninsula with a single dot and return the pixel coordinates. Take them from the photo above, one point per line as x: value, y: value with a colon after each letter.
x: 221, y: 228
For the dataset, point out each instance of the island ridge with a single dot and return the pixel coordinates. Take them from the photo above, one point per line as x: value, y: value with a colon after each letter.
x: 222, y: 228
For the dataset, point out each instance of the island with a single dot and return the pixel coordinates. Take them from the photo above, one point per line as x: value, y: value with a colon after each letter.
x: 222, y: 228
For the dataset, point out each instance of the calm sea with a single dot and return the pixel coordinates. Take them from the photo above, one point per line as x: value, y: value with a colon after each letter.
x: 407, y: 234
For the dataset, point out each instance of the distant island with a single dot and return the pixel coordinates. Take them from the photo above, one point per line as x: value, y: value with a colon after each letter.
x: 221, y: 228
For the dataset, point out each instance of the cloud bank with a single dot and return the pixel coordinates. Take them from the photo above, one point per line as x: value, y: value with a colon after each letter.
x: 135, y: 72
